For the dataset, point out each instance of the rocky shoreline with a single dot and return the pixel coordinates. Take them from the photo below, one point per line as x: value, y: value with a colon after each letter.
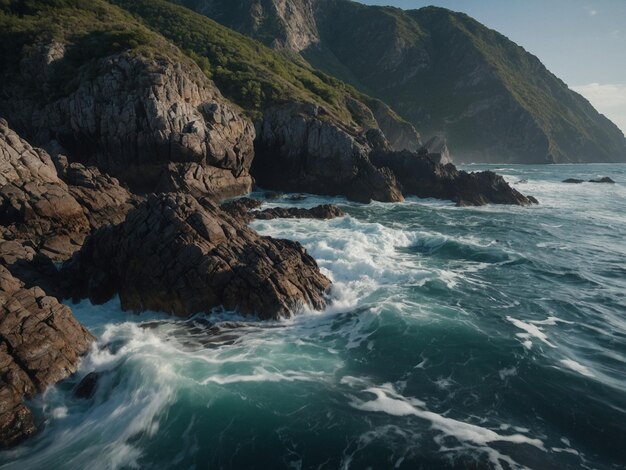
x: 119, y: 179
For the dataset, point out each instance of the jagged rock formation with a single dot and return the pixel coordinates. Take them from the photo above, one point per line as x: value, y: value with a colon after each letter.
x: 53, y: 210
x: 442, y: 71
x: 40, y: 344
x: 34, y: 202
x: 180, y: 255
x: 423, y: 177
x: 152, y: 119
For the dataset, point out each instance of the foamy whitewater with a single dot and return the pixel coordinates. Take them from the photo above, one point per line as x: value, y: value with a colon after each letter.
x: 490, y: 337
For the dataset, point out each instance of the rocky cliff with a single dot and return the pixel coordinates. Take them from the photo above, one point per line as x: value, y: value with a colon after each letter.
x: 298, y: 150
x: 442, y: 71
x: 147, y: 115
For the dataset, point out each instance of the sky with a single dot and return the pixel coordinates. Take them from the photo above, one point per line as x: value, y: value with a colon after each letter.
x: 583, y: 42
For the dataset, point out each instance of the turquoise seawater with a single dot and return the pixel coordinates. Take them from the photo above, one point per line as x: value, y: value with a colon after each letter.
x: 490, y: 337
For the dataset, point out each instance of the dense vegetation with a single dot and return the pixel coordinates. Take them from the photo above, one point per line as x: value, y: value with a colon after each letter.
x: 89, y: 29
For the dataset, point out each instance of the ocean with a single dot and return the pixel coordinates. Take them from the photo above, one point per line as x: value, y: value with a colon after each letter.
x: 491, y: 337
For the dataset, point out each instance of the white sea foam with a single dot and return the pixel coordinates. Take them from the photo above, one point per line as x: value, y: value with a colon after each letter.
x: 577, y: 367
x: 99, y: 434
x: 508, y: 372
x: 388, y: 401
x: 532, y: 331
x: 259, y: 375
x: 551, y: 321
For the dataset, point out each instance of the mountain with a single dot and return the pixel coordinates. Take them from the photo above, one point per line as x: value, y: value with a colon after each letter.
x: 442, y: 71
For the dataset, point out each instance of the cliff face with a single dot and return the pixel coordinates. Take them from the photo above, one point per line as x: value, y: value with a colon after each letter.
x: 445, y: 73
x: 149, y: 117
x: 298, y: 150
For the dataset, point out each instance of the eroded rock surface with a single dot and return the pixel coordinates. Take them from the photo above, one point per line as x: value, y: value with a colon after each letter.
x: 40, y: 343
x: 154, y: 121
x: 183, y: 256
x: 53, y: 207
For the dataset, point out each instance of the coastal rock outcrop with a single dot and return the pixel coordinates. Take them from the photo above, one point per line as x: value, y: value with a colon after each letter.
x: 181, y: 255
x: 604, y: 179
x: 420, y: 176
x: 35, y: 204
x: 50, y: 203
x: 40, y: 343
x: 151, y: 119
x: 298, y: 150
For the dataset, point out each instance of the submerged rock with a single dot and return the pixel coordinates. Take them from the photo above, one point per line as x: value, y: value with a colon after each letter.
x: 183, y: 256
x: 573, y: 181
x: 40, y: 344
x: 270, y: 195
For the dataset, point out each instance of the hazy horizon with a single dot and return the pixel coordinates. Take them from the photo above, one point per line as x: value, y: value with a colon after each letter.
x: 566, y: 35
